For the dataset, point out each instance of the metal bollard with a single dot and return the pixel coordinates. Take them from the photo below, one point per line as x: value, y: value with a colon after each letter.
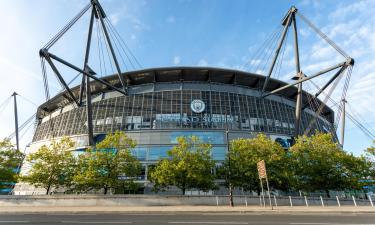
x: 274, y: 197
x: 290, y: 200
x: 321, y: 199
x: 307, y: 204
x: 338, y: 201
x: 355, y: 203
x: 217, y: 201
x: 369, y: 198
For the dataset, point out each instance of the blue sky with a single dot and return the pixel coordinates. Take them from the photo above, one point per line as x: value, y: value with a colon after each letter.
x: 219, y: 33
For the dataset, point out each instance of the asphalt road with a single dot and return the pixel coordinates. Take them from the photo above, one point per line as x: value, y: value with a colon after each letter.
x: 188, y: 218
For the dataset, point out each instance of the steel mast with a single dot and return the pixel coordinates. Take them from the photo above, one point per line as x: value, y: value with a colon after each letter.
x: 16, y: 119
x: 343, y: 121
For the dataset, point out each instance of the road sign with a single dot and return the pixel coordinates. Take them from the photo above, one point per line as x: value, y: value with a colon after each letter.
x: 261, y: 165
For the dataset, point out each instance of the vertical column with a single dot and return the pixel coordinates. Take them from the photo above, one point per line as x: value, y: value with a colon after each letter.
x: 298, y: 76
x: 343, y: 122
x: 16, y: 119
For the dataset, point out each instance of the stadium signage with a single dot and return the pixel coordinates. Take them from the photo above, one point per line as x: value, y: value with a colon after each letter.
x: 197, y: 106
x: 206, y: 118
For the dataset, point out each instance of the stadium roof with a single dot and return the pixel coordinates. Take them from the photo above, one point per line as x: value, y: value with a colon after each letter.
x: 188, y: 74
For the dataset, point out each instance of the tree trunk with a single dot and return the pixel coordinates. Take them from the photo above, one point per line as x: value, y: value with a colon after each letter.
x: 231, y: 195
x: 183, y: 190
x: 48, y: 188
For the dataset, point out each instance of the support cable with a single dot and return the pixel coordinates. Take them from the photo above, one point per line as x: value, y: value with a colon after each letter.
x: 118, y: 50
x: 23, y: 125
x: 67, y: 27
x: 121, y: 41
x: 280, y: 60
x: 322, y: 35
x: 357, y: 115
x: 101, y: 51
x: 45, y: 79
x: 260, y: 50
x: 343, y: 95
x: 107, y: 48
x: 365, y: 131
x: 267, y: 53
x: 317, y: 113
x: 274, y: 45
x: 5, y: 104
x: 26, y: 130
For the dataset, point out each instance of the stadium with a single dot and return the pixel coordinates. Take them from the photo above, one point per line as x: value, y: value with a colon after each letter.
x: 165, y: 103
x: 154, y: 106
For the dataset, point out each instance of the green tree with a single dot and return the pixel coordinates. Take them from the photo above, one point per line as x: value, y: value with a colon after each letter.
x: 370, y: 159
x: 109, y: 165
x: 189, y: 166
x: 52, y: 165
x: 241, y: 163
x: 320, y: 164
x: 10, y: 162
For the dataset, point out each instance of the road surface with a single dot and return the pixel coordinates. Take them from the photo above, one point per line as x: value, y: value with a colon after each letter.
x: 169, y: 218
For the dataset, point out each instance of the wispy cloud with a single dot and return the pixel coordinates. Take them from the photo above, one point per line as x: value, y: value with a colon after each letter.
x: 176, y: 60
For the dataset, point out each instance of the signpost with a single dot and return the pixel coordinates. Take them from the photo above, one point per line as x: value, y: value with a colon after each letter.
x: 261, y: 165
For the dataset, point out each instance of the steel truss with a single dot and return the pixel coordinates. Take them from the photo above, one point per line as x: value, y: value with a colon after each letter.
x: 288, y: 21
x: 97, y: 13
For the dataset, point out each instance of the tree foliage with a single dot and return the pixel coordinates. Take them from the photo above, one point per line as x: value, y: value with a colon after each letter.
x: 109, y: 165
x: 320, y: 164
x: 189, y: 166
x: 52, y: 166
x: 10, y: 162
x: 241, y: 163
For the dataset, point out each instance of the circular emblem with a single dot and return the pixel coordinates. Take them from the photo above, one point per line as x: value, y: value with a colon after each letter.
x: 197, y: 106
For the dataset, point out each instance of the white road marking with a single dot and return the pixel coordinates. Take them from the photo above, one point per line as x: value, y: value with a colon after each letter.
x: 96, y: 222
x: 333, y: 223
x: 207, y: 222
x: 19, y: 221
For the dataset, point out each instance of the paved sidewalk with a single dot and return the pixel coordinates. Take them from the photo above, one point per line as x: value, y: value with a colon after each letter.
x: 181, y: 209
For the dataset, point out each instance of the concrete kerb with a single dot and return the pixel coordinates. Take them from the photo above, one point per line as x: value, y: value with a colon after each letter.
x: 184, y: 209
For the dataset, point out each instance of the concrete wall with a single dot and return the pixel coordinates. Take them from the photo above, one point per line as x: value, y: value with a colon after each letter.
x: 155, y: 200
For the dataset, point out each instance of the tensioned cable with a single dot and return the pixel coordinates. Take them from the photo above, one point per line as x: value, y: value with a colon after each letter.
x: 22, y: 126
x: 28, y: 100
x: 271, y: 53
x: 321, y: 34
x: 356, y: 114
x: 118, y: 50
x: 322, y: 105
x: 265, y: 43
x: 26, y: 130
x: 280, y: 59
x: 362, y: 128
x: 267, y: 53
x: 268, y: 48
x: 67, y: 27
x: 124, y: 43
x: 45, y: 78
x: 370, y: 135
x: 101, y: 51
x: 343, y: 95
x: 107, y: 48
x: 5, y: 104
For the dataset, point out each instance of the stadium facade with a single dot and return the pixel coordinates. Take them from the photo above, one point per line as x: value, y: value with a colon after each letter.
x: 165, y: 103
